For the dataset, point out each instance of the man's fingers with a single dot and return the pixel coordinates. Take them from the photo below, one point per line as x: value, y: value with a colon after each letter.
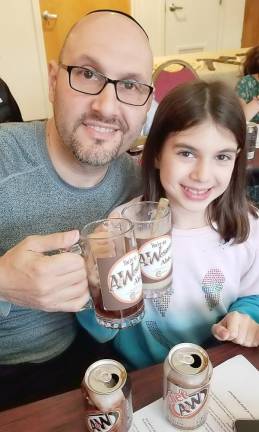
x: 51, y: 242
x: 63, y: 263
x: 74, y: 305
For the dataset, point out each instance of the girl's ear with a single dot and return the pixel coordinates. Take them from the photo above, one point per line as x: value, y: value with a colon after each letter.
x: 157, y: 162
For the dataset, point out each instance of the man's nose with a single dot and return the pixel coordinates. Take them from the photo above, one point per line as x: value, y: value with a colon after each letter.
x: 106, y: 102
x: 201, y: 171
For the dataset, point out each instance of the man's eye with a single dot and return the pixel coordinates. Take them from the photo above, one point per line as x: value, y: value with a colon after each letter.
x: 88, y: 74
x: 83, y: 73
x: 129, y: 85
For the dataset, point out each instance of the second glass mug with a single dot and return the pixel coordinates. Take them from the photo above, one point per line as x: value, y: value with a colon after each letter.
x: 113, y: 270
x: 153, y: 235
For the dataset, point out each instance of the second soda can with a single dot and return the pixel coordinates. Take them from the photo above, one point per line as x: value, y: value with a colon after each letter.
x: 107, y: 393
x: 187, y: 375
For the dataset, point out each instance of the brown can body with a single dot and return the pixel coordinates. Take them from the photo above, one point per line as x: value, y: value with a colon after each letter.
x: 187, y: 375
x: 106, y: 390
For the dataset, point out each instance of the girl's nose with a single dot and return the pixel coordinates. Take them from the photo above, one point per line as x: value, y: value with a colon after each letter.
x: 201, y: 171
x: 106, y: 102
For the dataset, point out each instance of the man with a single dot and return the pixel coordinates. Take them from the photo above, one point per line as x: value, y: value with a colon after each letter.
x: 54, y: 179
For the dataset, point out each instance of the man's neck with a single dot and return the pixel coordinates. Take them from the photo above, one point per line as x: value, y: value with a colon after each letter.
x: 66, y: 165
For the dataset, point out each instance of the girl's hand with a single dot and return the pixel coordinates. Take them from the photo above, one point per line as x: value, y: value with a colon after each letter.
x: 238, y: 328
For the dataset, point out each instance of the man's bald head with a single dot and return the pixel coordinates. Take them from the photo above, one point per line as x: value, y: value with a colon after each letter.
x: 107, y: 14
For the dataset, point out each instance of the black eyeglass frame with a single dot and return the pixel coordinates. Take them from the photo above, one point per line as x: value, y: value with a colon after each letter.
x: 69, y: 69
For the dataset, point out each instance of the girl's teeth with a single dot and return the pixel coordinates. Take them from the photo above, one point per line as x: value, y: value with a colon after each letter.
x: 196, y: 192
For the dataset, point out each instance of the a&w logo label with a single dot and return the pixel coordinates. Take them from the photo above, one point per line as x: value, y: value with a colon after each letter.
x: 101, y: 422
x: 184, y: 405
x: 124, y: 278
x: 156, y: 258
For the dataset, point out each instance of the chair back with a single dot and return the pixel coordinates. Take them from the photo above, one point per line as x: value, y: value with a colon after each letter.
x: 165, y: 80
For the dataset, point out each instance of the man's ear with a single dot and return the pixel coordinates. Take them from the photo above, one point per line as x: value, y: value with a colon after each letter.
x: 53, y: 71
x: 149, y: 102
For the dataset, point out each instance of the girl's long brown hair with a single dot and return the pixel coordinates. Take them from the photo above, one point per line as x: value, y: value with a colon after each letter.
x: 189, y: 105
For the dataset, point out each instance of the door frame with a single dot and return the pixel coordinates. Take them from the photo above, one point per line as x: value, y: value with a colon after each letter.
x: 43, y: 64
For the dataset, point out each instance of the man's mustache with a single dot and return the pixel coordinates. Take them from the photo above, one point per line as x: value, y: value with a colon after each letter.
x: 109, y: 121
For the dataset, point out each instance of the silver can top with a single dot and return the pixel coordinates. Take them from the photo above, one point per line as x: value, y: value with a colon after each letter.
x: 251, y: 126
x: 137, y: 149
x: 105, y: 376
x: 188, y: 359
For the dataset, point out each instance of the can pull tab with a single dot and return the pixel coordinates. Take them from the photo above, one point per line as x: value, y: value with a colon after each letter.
x: 110, y: 380
x: 103, y: 376
x: 185, y: 358
x: 194, y: 360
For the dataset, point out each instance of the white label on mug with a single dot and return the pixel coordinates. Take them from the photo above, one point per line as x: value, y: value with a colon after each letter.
x: 156, y: 257
x: 124, y: 278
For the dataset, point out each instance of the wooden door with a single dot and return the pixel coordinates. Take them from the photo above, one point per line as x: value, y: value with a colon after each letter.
x: 63, y: 14
x: 250, y: 35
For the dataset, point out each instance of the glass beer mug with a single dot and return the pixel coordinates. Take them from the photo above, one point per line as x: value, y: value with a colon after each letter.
x: 113, y: 269
x: 153, y: 226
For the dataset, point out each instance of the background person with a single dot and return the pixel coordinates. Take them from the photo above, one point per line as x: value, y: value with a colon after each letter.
x: 56, y: 176
x: 247, y: 87
x: 9, y: 109
x: 195, y: 155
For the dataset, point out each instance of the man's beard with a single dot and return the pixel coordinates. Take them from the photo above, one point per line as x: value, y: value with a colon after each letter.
x: 93, y: 153
x: 95, y: 156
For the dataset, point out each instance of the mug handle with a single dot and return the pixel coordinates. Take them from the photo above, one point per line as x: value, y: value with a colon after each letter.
x: 77, y: 249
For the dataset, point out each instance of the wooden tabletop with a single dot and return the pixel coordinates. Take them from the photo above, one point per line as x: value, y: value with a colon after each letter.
x: 65, y: 413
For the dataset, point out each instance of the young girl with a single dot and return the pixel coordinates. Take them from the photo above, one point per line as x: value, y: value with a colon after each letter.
x: 247, y: 87
x: 195, y: 155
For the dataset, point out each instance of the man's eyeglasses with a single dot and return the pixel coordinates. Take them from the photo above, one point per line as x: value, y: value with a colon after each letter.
x: 91, y: 82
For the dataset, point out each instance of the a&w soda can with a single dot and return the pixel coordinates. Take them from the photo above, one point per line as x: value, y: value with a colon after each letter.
x: 187, y: 375
x: 107, y: 392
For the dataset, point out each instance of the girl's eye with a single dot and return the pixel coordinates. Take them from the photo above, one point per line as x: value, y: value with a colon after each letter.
x: 186, y: 154
x: 224, y: 157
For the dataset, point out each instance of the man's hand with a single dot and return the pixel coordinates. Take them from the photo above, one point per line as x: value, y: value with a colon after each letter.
x: 28, y: 277
x: 238, y: 328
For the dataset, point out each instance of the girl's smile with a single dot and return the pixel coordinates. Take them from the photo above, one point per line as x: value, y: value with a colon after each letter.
x: 196, y: 194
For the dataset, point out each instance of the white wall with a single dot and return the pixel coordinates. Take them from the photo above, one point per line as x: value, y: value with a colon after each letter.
x: 150, y: 14
x: 22, y: 56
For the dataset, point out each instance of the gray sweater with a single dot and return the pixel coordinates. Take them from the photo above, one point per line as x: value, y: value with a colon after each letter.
x: 35, y: 200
